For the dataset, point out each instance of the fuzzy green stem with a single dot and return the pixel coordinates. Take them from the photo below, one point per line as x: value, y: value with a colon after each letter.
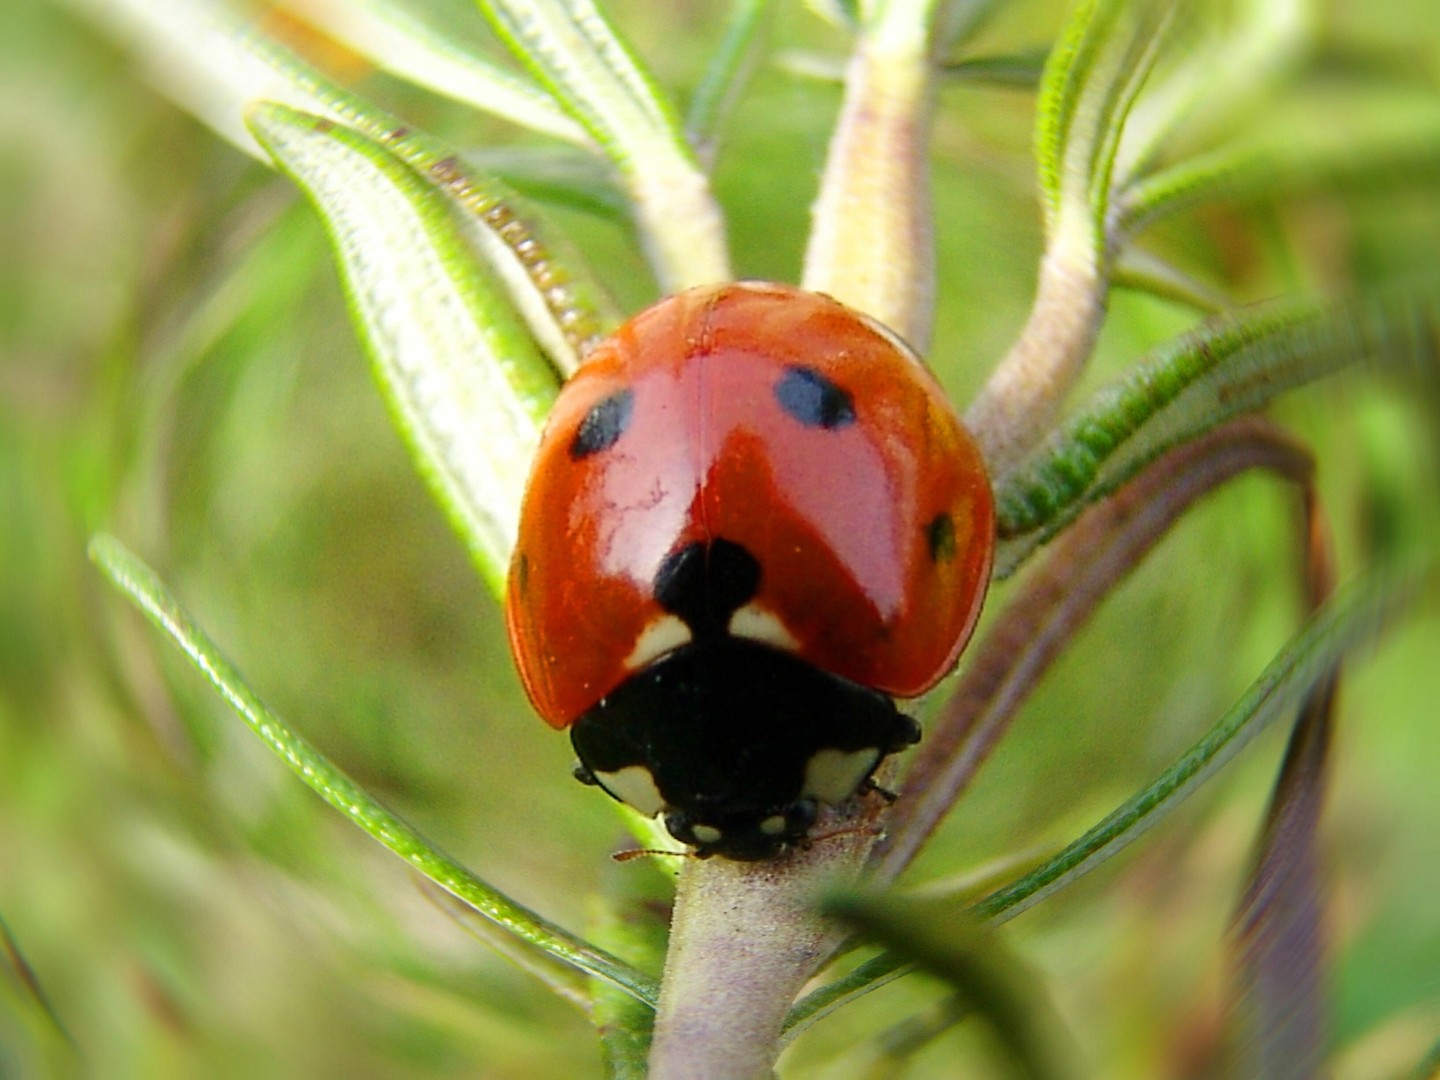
x: 1020, y: 403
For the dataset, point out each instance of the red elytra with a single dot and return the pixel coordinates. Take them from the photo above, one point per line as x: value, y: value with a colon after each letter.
x: 873, y: 526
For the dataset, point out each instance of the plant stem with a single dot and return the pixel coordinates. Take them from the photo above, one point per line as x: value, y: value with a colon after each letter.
x: 1022, y: 399
x: 871, y: 244
x: 745, y: 939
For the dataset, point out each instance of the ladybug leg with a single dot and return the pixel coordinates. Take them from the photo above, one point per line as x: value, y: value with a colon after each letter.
x: 870, y: 785
x: 584, y: 775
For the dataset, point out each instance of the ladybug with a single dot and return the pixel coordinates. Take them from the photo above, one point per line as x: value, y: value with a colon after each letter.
x: 752, y: 519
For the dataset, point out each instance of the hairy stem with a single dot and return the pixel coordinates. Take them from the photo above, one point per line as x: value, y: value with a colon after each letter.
x: 745, y: 938
x: 871, y: 244
x: 1019, y: 404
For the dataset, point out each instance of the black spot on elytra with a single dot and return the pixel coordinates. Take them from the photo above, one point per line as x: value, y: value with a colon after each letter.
x: 940, y: 535
x: 603, y: 425
x: 813, y: 399
x: 704, y: 585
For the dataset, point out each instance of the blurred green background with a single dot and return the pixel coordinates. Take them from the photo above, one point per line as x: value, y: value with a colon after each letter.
x: 176, y: 367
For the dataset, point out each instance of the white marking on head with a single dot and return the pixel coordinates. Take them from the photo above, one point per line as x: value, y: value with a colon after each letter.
x: 707, y: 834
x: 774, y: 825
x: 635, y: 787
x: 660, y: 637
x: 756, y: 624
x: 832, y: 776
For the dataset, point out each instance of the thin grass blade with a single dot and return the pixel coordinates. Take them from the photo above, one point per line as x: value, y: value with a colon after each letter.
x: 1022, y: 71
x: 139, y: 583
x: 1279, y: 1020
x: 633, y: 923
x: 1398, y: 149
x: 1353, y: 619
x: 728, y: 73
x: 1226, y: 65
x: 563, y: 979
x: 1428, y: 1067
x: 967, y: 955
x: 25, y: 977
x: 213, y: 60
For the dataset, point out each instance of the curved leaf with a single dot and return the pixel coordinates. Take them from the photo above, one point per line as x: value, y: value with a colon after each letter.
x: 1232, y: 365
x: 216, y: 63
x: 573, y: 51
x: 1094, y: 75
x: 1352, y: 158
x: 404, y: 39
x: 467, y: 385
x: 1354, y: 618
x: 144, y: 589
x: 966, y: 954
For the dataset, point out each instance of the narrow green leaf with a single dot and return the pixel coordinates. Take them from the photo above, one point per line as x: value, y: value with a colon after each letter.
x: 145, y: 590
x: 633, y: 923
x: 409, y: 41
x: 895, y: 1048
x: 1354, y: 618
x: 824, y: 1000
x: 1143, y: 271
x: 1351, y: 159
x: 216, y: 63
x: 1232, y: 365
x: 574, y: 52
x: 842, y: 14
x: 23, y: 974
x: 1091, y: 82
x: 1229, y: 66
x: 213, y: 60
x: 730, y: 69
x: 1022, y: 70
x: 556, y: 176
x: 969, y: 956
x: 564, y: 980
x: 467, y: 386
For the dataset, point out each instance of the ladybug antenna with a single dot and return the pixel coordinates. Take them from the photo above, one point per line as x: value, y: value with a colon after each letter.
x: 885, y: 793
x: 635, y: 853
x: 849, y: 830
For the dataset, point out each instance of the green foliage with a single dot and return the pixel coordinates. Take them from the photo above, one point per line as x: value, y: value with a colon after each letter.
x: 178, y: 370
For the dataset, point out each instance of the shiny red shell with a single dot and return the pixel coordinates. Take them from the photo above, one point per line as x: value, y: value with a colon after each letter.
x: 847, y: 523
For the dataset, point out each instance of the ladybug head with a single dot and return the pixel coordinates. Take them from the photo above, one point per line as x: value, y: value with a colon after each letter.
x: 748, y: 837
